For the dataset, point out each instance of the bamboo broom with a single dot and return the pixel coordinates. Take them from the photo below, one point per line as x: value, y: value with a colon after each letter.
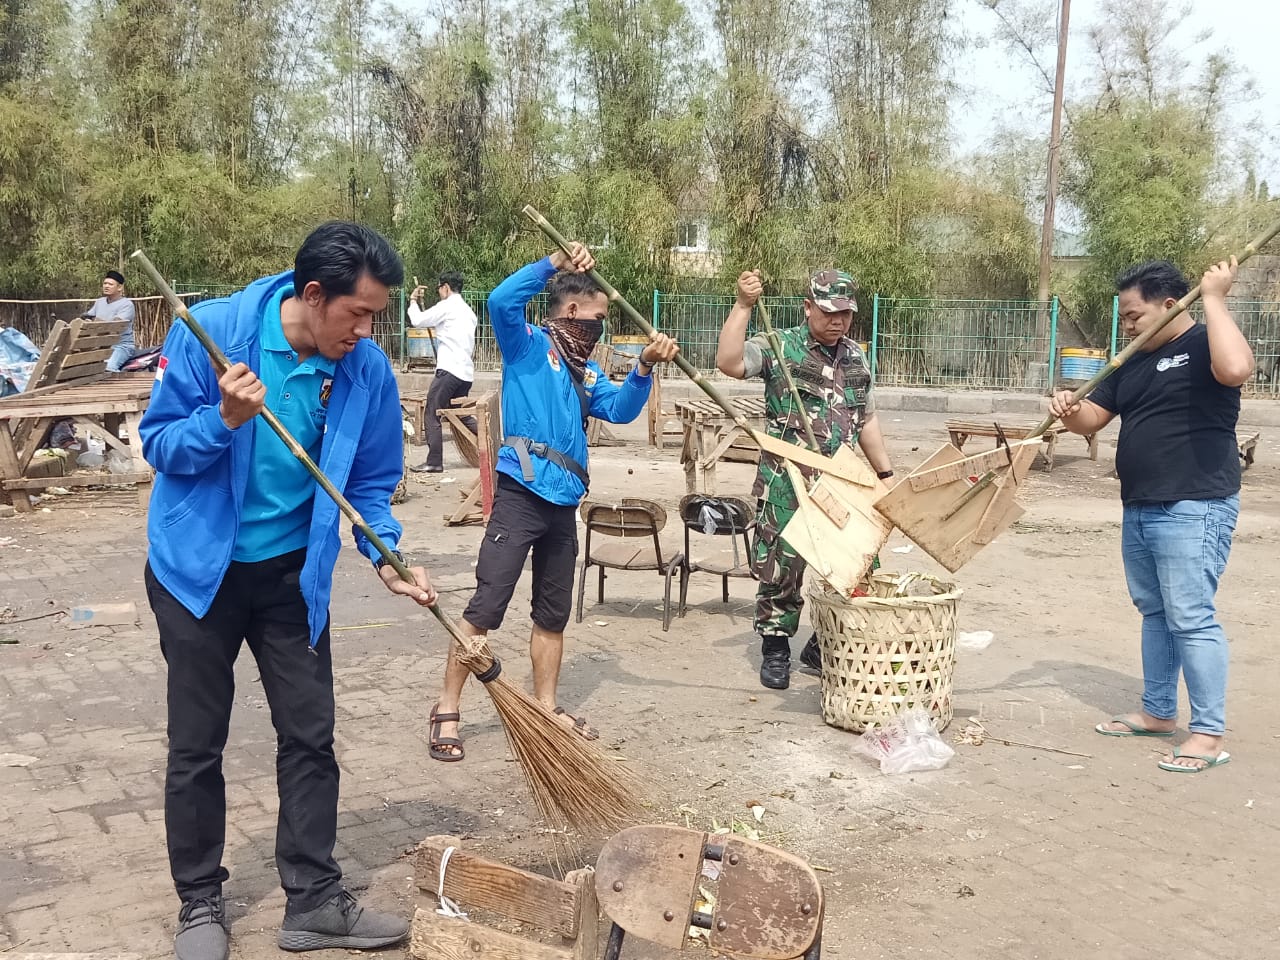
x: 1136, y: 344
x: 572, y: 782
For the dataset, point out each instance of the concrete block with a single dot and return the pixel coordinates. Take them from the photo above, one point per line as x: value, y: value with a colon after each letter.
x: 932, y: 402
x: 969, y: 403
x: 1025, y: 403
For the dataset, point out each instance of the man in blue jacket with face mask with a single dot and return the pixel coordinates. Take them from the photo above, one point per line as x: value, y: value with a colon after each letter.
x: 242, y: 549
x: 549, y: 386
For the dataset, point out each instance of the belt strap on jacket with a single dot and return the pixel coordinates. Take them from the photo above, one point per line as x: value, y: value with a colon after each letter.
x: 523, y: 446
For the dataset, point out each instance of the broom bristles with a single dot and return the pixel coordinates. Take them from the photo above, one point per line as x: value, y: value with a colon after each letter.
x: 573, y: 783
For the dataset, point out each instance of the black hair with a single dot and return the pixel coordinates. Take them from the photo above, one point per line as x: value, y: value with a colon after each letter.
x: 451, y: 279
x: 1156, y: 280
x: 338, y: 252
x: 565, y: 286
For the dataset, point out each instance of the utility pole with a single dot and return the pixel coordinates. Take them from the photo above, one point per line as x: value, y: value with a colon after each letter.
x: 1051, y: 188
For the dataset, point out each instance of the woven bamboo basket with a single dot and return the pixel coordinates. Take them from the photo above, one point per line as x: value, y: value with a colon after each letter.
x: 886, y: 653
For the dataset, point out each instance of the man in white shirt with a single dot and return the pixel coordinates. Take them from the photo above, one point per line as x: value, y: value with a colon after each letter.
x: 455, y: 332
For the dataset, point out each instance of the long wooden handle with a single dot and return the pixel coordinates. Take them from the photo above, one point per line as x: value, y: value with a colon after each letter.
x: 776, y: 343
x: 1136, y: 344
x: 221, y: 363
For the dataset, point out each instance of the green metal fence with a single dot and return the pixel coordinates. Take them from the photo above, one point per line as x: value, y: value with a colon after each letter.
x: 957, y: 344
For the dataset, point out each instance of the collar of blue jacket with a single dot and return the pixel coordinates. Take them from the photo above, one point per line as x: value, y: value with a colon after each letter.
x: 202, y: 466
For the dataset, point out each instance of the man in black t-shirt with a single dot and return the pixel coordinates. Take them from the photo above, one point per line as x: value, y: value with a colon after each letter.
x: 1178, y: 400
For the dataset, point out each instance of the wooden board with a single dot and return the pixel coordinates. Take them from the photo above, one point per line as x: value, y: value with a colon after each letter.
x: 920, y: 515
x: 855, y: 470
x: 769, y: 903
x: 516, y: 894
x: 433, y: 937
x: 646, y: 880
x: 840, y: 554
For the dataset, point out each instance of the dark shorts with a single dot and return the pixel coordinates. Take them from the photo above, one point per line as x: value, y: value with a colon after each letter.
x: 522, y: 521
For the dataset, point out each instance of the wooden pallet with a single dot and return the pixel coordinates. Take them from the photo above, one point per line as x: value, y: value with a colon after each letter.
x: 1247, y: 445
x: 710, y: 435
x: 70, y: 381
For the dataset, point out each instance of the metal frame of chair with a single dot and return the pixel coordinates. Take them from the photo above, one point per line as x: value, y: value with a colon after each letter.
x: 690, y: 510
x: 630, y: 517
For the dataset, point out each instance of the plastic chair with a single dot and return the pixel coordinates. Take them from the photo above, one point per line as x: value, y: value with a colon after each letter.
x: 768, y: 904
x: 631, y: 519
x: 715, y: 517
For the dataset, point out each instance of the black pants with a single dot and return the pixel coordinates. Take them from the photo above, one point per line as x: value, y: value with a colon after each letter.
x: 444, y: 389
x: 260, y: 603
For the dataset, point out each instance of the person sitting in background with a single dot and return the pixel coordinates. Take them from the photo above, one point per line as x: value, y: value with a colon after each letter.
x: 114, y: 305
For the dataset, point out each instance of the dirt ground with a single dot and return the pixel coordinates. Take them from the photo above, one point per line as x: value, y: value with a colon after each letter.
x: 1009, y: 852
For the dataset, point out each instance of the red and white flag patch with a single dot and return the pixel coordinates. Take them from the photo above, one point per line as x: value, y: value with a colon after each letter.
x: 160, y: 367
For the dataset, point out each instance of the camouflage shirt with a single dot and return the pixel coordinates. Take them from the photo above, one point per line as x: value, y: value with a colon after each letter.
x: 835, y: 383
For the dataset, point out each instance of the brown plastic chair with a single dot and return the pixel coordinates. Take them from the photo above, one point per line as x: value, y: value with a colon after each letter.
x: 765, y: 903
x: 727, y: 517
x: 632, y: 519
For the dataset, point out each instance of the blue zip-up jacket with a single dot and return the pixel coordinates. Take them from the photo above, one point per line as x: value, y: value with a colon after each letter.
x: 538, y: 397
x: 202, y: 466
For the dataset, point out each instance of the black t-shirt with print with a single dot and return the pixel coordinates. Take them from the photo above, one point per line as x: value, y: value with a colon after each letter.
x: 1177, y: 424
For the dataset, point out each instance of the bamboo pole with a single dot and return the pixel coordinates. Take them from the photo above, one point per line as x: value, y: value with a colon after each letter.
x: 1137, y: 343
x: 221, y: 363
x: 774, y: 445
x: 776, y: 343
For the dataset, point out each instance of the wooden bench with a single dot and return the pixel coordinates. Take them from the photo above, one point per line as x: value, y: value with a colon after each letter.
x: 962, y: 430
x: 711, y: 435
x: 1247, y: 444
x: 70, y: 381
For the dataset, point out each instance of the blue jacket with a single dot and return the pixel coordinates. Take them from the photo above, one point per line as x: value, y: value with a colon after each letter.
x: 202, y: 466
x: 538, y: 397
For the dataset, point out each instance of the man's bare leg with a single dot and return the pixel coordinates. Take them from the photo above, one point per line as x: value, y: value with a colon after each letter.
x: 546, y: 649
x: 455, y: 678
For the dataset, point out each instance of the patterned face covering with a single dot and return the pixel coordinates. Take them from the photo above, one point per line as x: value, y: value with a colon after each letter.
x: 574, y: 340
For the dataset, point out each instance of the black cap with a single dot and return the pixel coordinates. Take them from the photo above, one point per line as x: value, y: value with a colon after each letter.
x: 115, y: 275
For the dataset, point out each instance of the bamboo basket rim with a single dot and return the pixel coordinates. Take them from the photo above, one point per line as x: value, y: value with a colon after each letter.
x: 820, y: 591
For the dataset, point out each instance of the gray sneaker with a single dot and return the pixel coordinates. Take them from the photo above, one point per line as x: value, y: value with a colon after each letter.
x: 202, y: 930
x: 341, y: 923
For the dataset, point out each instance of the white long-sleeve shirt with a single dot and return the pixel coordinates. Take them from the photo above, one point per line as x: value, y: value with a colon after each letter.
x: 455, y: 326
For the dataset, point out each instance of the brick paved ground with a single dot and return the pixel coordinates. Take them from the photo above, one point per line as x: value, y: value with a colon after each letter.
x: 1067, y: 857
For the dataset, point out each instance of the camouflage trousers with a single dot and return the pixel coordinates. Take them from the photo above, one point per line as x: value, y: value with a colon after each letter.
x: 780, y: 572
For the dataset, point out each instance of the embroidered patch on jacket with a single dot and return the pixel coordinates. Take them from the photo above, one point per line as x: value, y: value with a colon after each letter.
x: 589, y: 378
x: 553, y: 358
x: 1165, y: 363
x: 160, y: 368
x: 326, y: 389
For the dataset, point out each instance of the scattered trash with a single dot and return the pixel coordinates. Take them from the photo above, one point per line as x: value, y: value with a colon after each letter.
x: 1076, y: 766
x: 17, y: 760
x: 602, y: 623
x: 757, y: 811
x: 104, y: 615
x: 977, y: 640
x: 905, y: 744
x: 965, y: 891
x: 9, y: 640
x: 905, y: 549
x: 118, y: 462
x: 89, y: 460
x: 835, y: 775
x: 57, y: 491
x: 446, y: 480
x: 1248, y: 804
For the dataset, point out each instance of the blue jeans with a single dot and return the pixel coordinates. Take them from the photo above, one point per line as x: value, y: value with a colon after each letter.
x: 120, y: 355
x: 1174, y: 554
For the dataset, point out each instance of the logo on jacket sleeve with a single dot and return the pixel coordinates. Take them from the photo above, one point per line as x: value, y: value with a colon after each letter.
x: 553, y: 358
x: 589, y: 378
x: 161, y: 365
x: 326, y: 389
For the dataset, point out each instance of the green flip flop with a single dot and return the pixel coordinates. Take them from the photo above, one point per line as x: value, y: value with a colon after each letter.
x: 1209, y: 761
x: 1133, y: 731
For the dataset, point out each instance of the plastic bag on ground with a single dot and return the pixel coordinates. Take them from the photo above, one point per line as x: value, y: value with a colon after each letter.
x: 907, y: 743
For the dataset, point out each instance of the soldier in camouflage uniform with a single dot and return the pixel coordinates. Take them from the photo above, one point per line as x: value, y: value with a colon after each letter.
x: 834, y: 379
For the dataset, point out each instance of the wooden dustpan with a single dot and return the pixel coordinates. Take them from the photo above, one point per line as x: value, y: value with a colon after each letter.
x: 952, y: 505
x: 837, y: 528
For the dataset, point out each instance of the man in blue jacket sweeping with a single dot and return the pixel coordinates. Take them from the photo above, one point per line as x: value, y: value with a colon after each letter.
x: 242, y: 548
x: 549, y: 387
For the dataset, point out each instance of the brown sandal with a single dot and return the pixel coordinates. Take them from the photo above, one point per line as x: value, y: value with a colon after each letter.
x: 580, y: 726
x: 438, y: 746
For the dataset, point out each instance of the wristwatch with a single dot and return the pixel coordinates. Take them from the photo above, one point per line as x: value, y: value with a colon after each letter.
x: 884, y: 474
x: 382, y: 561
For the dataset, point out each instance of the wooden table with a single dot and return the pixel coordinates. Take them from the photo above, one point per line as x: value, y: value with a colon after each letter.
x: 962, y: 430
x: 97, y: 407
x: 710, y: 435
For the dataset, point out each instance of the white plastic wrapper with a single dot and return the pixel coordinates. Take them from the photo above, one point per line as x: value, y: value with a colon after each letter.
x: 908, y: 743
